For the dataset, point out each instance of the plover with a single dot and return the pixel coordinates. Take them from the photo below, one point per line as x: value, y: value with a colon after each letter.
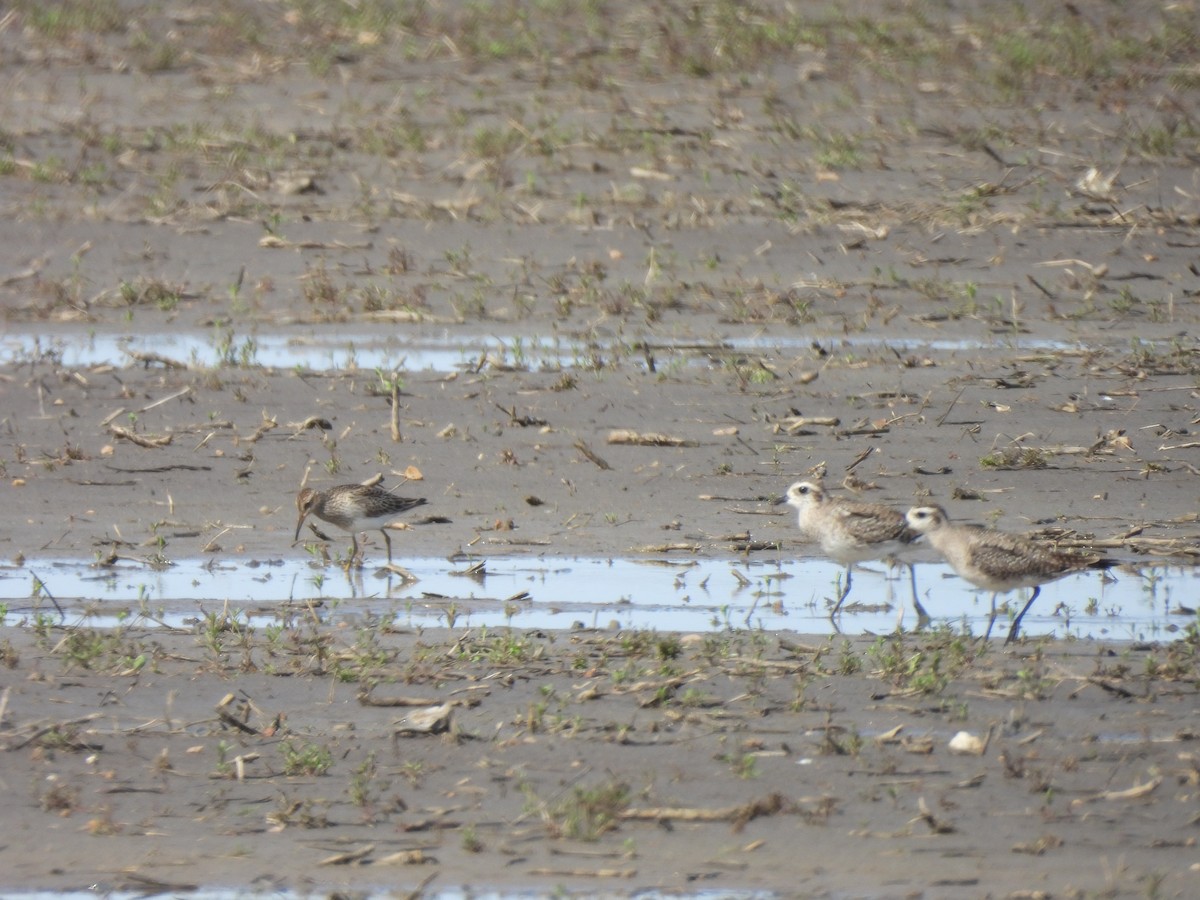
x: 996, y: 560
x: 354, y: 508
x: 850, y: 531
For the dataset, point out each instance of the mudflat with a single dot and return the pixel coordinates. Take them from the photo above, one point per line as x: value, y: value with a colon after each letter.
x: 681, y: 256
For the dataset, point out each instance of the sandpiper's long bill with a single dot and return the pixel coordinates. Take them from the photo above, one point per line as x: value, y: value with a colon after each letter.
x: 354, y: 508
x: 998, y: 561
x: 850, y: 531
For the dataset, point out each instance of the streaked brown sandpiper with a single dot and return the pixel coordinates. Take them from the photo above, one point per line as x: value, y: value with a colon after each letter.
x: 354, y: 508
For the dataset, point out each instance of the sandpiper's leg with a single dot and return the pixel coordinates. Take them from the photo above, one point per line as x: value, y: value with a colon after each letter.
x: 1012, y: 632
x: 922, y: 616
x: 842, y: 596
x: 991, y: 619
x: 387, y: 540
x: 354, y: 548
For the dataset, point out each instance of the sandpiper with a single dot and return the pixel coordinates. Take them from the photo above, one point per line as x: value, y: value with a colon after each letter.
x: 996, y: 560
x: 850, y: 531
x: 354, y: 508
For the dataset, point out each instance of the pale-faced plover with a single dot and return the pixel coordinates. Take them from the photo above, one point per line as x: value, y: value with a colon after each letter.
x: 996, y: 560
x: 850, y: 531
x: 354, y: 508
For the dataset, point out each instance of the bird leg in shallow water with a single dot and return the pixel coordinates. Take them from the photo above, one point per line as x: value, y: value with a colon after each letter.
x: 845, y: 592
x: 1012, y: 632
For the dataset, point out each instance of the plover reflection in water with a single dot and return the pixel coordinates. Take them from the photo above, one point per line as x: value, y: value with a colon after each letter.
x: 851, y: 531
x: 354, y: 508
x: 997, y: 561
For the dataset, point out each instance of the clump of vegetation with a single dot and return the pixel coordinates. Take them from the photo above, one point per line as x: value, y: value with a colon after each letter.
x: 1017, y: 458
x: 101, y: 650
x: 145, y: 291
x: 588, y: 813
x: 305, y: 759
x: 925, y: 667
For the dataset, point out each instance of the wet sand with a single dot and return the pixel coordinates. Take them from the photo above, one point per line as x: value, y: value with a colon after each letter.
x: 911, y: 265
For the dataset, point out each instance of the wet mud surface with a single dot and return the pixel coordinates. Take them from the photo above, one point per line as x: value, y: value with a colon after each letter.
x: 672, y: 258
x: 597, y: 762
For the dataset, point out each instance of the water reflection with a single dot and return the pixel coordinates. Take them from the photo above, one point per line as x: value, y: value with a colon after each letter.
x: 564, y: 593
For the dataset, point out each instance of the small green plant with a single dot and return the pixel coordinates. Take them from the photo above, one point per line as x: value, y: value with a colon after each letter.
x: 305, y: 759
x: 839, y: 741
x: 850, y: 662
x: 839, y: 150
x: 364, y: 659
x: 320, y: 289
x: 231, y: 354
x: 219, y: 629
x: 60, y: 737
x: 589, y: 813
x: 470, y: 840
x: 1124, y: 303
x: 916, y: 670
x: 669, y: 647
x: 505, y: 645
x: 743, y: 765
x: 389, y: 382
x: 413, y: 770
x: 360, y: 791
x: 1034, y: 682
x: 495, y: 143
x: 459, y: 259
x: 101, y: 650
x: 224, y: 767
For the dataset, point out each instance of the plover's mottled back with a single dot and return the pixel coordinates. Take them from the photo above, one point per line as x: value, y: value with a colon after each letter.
x: 849, y: 531
x: 354, y: 508
x: 996, y: 560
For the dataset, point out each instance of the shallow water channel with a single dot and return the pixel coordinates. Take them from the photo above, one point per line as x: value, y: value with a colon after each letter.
x: 571, y: 593
x: 419, y: 348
